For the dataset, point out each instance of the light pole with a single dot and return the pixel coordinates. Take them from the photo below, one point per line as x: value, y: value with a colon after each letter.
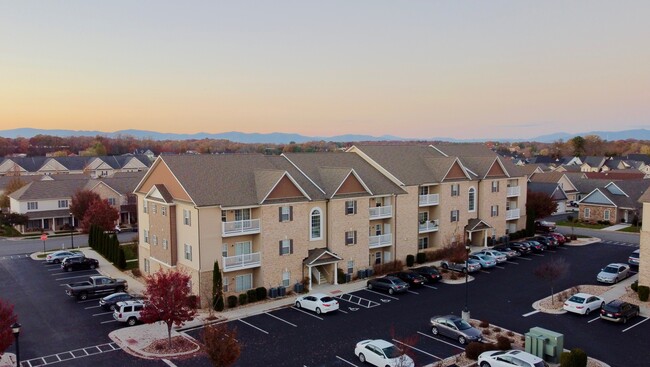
x: 72, y: 230
x: 15, y: 329
x: 465, y: 314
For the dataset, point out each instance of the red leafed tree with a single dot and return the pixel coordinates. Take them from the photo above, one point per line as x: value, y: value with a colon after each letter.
x: 539, y: 205
x: 168, y: 300
x: 81, y: 201
x: 221, y: 344
x: 100, y: 213
x: 7, y: 318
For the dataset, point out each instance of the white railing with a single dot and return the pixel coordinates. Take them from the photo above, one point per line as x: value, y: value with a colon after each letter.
x: 512, y: 214
x: 513, y: 191
x: 245, y: 261
x: 428, y: 226
x: 381, y: 212
x: 380, y: 240
x: 239, y: 227
x: 430, y: 199
x: 315, y: 274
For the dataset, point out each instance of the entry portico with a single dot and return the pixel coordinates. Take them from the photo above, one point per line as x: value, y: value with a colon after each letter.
x: 317, y: 261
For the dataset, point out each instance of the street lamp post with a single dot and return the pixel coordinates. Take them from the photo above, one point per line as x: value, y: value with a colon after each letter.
x: 72, y: 230
x: 465, y: 314
x: 15, y: 329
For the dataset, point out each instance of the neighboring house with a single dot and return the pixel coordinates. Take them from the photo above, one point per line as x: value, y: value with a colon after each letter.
x: 561, y: 179
x: 615, y: 202
x: 593, y: 164
x: 615, y: 175
x: 553, y: 191
x: 101, y: 166
x: 531, y: 169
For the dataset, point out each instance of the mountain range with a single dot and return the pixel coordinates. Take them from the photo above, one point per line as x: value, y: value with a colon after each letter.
x: 285, y: 138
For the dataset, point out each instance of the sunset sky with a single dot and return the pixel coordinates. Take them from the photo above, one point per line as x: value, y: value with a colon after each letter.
x: 414, y: 69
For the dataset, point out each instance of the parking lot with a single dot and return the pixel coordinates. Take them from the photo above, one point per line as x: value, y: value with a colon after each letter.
x: 59, y: 328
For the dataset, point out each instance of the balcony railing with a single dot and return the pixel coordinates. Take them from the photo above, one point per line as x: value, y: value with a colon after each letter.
x: 380, y: 240
x: 381, y: 212
x: 512, y: 214
x: 240, y: 227
x: 513, y: 191
x: 430, y: 199
x: 428, y: 226
x: 239, y: 262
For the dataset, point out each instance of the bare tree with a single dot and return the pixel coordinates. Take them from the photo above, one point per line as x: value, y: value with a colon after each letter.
x: 551, y: 271
x: 221, y: 344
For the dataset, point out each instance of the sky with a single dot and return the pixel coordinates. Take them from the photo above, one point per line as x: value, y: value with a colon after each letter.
x: 412, y: 69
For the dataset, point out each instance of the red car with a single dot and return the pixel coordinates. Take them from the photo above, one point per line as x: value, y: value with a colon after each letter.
x: 559, y: 237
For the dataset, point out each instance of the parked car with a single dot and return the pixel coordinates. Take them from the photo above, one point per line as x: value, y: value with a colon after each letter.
x: 522, y: 247
x: 381, y: 353
x: 612, y: 273
x: 634, y: 258
x: 78, y: 263
x: 508, y: 251
x: 128, y: 311
x: 472, y: 266
x: 559, y: 237
x: 509, y: 358
x: 57, y: 256
x: 500, y: 257
x: 430, y: 273
x: 486, y: 261
x: 583, y: 303
x: 109, y: 302
x: 318, y: 302
x: 412, y: 278
x: 544, y: 226
x: 619, y: 311
x: 535, y: 246
x: 388, y: 284
x: 95, y: 285
x: 455, y: 327
x: 547, y: 241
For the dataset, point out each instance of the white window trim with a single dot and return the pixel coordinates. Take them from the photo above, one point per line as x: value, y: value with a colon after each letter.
x: 471, y: 201
x: 311, y: 232
x: 286, y: 245
x: 286, y: 278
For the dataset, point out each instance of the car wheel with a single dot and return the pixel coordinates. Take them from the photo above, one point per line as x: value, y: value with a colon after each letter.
x: 68, y: 268
x: 464, y: 271
x: 587, y: 311
x: 445, y: 266
x: 318, y: 311
x: 462, y: 340
x: 369, y: 286
x: 57, y: 261
x: 625, y: 319
x: 131, y: 321
x: 390, y: 291
x: 616, y: 280
x: 298, y: 304
x: 83, y: 296
x: 602, y: 305
x: 434, y: 330
x: 92, y: 266
x: 112, y: 308
x: 362, y: 358
x: 485, y: 364
x: 119, y: 289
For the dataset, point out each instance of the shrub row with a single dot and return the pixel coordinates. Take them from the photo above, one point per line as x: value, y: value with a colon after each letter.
x: 389, y: 267
x: 107, y: 245
x: 644, y: 293
x: 251, y: 295
x: 474, y: 349
x: 575, y: 358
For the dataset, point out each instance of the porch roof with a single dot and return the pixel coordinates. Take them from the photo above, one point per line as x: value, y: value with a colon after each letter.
x: 320, y: 256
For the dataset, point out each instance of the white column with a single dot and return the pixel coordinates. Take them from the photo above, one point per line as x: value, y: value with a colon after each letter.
x: 336, y: 273
x: 309, y: 269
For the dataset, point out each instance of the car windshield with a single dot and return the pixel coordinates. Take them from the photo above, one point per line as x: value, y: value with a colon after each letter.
x: 392, y: 352
x: 462, y: 324
x: 576, y: 299
x: 635, y: 255
x: 611, y: 269
x: 327, y: 299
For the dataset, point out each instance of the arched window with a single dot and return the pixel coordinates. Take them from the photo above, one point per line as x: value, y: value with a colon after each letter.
x: 472, y: 199
x: 316, y: 226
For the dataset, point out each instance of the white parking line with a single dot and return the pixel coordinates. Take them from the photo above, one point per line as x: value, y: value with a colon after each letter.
x: 486, y: 272
x: 169, y: 363
x: 78, y: 271
x: 525, y: 258
x: 88, y: 308
x: 637, y: 324
x: 106, y: 322
x: 500, y: 267
x: 339, y: 310
x: 530, y: 313
x: 381, y: 294
x: 346, y: 361
x: 592, y: 320
x: 440, y: 340
x: 103, y: 313
x: 253, y: 326
x: 275, y: 317
x: 429, y: 286
x: 538, y: 255
x: 306, y: 313
x: 78, y: 276
x: 562, y: 248
x: 512, y: 262
x: 86, y: 301
x: 410, y: 291
x: 419, y: 350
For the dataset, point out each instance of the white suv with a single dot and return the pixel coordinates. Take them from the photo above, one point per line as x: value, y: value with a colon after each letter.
x: 128, y: 311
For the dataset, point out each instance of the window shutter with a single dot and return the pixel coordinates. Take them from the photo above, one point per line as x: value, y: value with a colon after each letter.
x: 355, y: 237
x: 345, y: 237
x: 280, y: 246
x: 354, y: 207
x: 280, y: 214
x: 291, y: 213
x: 291, y: 246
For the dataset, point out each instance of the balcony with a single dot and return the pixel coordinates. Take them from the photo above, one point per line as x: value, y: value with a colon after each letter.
x: 381, y: 240
x: 512, y: 214
x: 428, y: 226
x: 513, y: 191
x: 381, y: 212
x: 430, y: 199
x: 240, y: 227
x: 239, y: 262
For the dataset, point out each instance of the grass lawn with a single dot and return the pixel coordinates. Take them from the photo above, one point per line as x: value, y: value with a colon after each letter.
x: 582, y: 225
x: 631, y: 229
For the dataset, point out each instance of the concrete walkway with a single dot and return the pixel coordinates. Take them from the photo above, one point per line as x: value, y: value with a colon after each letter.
x: 616, y: 227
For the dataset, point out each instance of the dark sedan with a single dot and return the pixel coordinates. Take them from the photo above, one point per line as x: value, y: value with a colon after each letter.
x: 619, y: 311
x: 108, y: 302
x: 521, y: 247
x: 412, y: 278
x: 78, y: 263
x: 388, y: 284
x: 430, y: 273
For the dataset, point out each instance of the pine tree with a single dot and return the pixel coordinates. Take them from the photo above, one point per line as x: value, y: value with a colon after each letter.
x: 217, y: 288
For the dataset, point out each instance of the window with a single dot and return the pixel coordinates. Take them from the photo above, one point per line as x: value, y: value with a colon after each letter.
x: 63, y: 203
x: 286, y: 247
x: 455, y: 189
x: 587, y: 214
x: 224, y: 284
x: 145, y: 207
x: 495, y: 186
x: 423, y: 243
x: 471, y: 196
x: 350, y: 207
x: 454, y: 215
x: 377, y: 257
x: 243, y: 282
x: 163, y: 210
x: 351, y: 237
x: 423, y: 217
x: 224, y: 217
x: 494, y: 211
x: 286, y: 213
x: 153, y: 208
x: 424, y: 190
x: 606, y: 214
x: 146, y: 236
x: 224, y: 250
x: 112, y: 201
x: 155, y: 240
x: 242, y: 214
x: 164, y: 244
x: 146, y: 266
x: 187, y: 217
x: 286, y: 278
x: 315, y: 224
x: 188, y: 252
x: 32, y: 205
x: 350, y: 266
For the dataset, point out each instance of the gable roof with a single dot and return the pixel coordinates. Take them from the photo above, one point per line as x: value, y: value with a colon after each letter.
x: 551, y: 189
x: 51, y: 189
x: 623, y: 194
x: 616, y: 175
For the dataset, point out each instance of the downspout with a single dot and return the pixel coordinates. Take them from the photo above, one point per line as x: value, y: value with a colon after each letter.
x: 395, y: 229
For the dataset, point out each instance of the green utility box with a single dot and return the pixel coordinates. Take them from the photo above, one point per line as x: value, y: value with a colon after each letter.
x: 545, y: 344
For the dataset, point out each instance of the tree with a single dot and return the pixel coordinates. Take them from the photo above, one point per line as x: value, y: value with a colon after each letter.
x: 100, y: 213
x: 167, y: 293
x: 551, y: 271
x: 578, y: 143
x: 7, y: 318
x: 539, y: 205
x: 80, y: 202
x: 217, y: 288
x: 221, y: 344
x: 14, y: 184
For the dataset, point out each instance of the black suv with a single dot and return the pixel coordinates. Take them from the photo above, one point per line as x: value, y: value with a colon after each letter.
x: 78, y: 263
x: 412, y: 278
x: 619, y: 311
x: 430, y: 273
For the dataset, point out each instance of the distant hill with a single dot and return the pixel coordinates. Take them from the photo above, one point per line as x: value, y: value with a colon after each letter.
x: 285, y: 138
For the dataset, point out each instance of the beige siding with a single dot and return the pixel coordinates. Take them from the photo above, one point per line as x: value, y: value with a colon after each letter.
x: 405, y: 235
x: 340, y: 223
x: 644, y: 257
